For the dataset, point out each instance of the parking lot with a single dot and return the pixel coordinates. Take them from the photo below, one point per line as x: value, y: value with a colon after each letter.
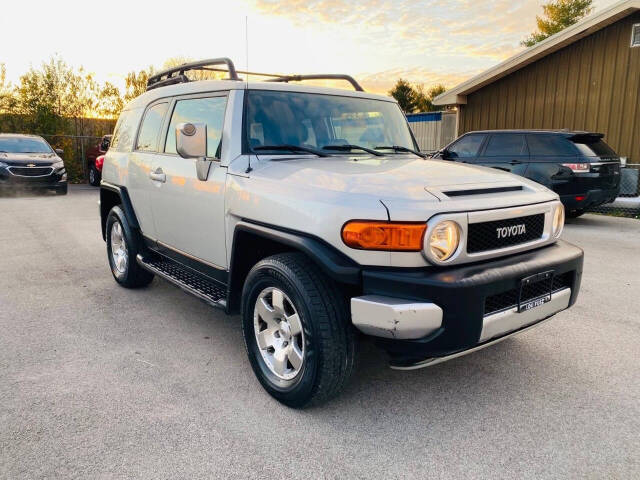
x: 100, y: 381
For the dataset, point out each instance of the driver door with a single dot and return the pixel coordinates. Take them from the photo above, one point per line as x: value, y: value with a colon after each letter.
x: 188, y: 212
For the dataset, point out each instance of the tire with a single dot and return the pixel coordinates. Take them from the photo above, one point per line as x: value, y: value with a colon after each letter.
x: 127, y: 244
x: 326, y: 342
x: 94, y: 176
x: 61, y: 190
x: 574, y: 213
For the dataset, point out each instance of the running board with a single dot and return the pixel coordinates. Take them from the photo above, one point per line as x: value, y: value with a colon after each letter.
x: 198, y: 285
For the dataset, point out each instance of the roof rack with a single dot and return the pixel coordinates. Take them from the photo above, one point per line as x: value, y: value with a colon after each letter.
x: 324, y: 76
x: 167, y: 77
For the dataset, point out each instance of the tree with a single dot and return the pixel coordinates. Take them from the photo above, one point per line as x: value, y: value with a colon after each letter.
x: 559, y: 14
x: 136, y: 83
x: 7, y: 97
x: 404, y: 93
x: 109, y: 102
x: 424, y: 100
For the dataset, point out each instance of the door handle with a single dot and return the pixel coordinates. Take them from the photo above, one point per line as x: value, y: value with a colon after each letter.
x: 158, y: 175
x: 515, y: 162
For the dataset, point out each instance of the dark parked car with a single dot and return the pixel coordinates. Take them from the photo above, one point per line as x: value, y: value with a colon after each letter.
x: 579, y: 166
x: 29, y: 162
x: 93, y: 153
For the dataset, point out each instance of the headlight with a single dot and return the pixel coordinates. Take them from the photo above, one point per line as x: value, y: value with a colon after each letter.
x: 3, y: 165
x: 58, y: 165
x: 558, y: 220
x: 444, y: 240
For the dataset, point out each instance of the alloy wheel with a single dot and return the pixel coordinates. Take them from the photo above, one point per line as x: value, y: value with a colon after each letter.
x: 279, y: 333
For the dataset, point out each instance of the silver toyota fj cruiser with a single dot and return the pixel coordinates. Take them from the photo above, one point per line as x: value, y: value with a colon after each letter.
x: 309, y: 211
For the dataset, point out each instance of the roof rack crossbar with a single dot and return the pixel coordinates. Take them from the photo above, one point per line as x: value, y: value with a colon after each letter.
x: 327, y: 76
x: 166, y: 77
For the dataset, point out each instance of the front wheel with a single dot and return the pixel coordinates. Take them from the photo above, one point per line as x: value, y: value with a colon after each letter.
x: 297, y: 331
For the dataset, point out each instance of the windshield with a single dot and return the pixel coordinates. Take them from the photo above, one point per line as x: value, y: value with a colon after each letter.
x: 24, y: 145
x: 318, y: 121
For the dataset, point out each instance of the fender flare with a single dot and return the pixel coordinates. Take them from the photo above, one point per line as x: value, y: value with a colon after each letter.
x: 125, y: 202
x: 333, y: 262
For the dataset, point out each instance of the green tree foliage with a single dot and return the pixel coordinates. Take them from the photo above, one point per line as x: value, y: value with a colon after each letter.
x: 136, y: 83
x: 424, y: 99
x: 404, y: 93
x: 558, y: 15
x: 415, y: 98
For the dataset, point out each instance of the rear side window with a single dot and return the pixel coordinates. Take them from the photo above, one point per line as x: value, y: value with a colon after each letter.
x: 593, y: 147
x: 505, y: 145
x: 550, y: 145
x: 467, y: 146
x: 122, y: 140
x: 150, y: 129
x: 208, y: 110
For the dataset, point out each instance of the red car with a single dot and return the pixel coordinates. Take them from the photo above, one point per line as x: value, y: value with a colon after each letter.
x: 100, y: 148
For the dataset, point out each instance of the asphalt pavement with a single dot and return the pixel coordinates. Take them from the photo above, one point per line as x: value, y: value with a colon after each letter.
x: 97, y: 381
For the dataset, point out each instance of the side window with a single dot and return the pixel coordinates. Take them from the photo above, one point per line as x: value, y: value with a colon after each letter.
x: 505, y: 145
x: 550, y: 145
x: 209, y: 110
x: 466, y: 147
x: 122, y: 140
x: 150, y: 129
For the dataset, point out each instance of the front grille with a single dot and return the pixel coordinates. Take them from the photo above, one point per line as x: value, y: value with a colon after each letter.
x: 30, y: 171
x: 504, y: 233
x: 509, y: 299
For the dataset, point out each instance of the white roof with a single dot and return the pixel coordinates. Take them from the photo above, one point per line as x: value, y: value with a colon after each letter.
x: 201, y: 86
x: 569, y: 35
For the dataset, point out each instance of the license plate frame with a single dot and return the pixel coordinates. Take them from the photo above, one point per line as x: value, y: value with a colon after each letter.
x: 543, y: 281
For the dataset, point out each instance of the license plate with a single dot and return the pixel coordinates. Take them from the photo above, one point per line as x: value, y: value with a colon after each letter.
x: 535, y: 291
x: 526, y: 306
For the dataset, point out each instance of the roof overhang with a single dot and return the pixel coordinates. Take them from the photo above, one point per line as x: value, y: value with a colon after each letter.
x: 584, y: 28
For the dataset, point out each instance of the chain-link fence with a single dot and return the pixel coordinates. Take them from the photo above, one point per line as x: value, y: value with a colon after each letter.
x: 77, y: 150
x: 627, y: 204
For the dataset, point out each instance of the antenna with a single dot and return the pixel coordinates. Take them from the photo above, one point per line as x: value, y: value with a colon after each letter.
x: 246, y: 84
x: 246, y: 44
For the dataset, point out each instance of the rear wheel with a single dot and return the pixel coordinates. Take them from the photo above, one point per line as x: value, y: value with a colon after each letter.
x: 94, y: 176
x: 297, y: 331
x: 123, y: 245
x: 575, y: 213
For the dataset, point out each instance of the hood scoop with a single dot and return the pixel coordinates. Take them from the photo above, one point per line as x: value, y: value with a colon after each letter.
x: 481, y: 191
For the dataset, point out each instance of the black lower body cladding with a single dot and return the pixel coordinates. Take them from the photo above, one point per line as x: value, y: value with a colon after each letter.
x: 461, y: 292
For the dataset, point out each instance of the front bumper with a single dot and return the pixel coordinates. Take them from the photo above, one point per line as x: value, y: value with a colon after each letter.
x: 469, y: 297
x: 57, y: 179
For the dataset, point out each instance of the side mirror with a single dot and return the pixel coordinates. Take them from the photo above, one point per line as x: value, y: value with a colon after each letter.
x: 59, y: 151
x: 191, y: 142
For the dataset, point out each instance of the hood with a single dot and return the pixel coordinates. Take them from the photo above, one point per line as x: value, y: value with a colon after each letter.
x: 20, y: 159
x: 394, y: 176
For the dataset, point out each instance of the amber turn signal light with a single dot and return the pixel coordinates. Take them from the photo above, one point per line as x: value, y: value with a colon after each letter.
x: 372, y: 235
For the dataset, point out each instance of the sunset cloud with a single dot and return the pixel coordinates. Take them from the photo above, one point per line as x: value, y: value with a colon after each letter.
x: 377, y: 41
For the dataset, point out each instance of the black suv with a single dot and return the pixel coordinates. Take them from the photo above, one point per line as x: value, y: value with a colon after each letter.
x: 29, y: 162
x: 578, y: 166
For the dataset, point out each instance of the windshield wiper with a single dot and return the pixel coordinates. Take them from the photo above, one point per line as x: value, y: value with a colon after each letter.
x: 291, y: 148
x: 398, y: 148
x: 348, y: 147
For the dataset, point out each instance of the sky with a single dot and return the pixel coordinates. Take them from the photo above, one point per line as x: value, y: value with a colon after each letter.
x: 376, y: 41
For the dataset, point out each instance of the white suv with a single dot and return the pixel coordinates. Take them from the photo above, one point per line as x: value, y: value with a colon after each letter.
x: 308, y: 211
